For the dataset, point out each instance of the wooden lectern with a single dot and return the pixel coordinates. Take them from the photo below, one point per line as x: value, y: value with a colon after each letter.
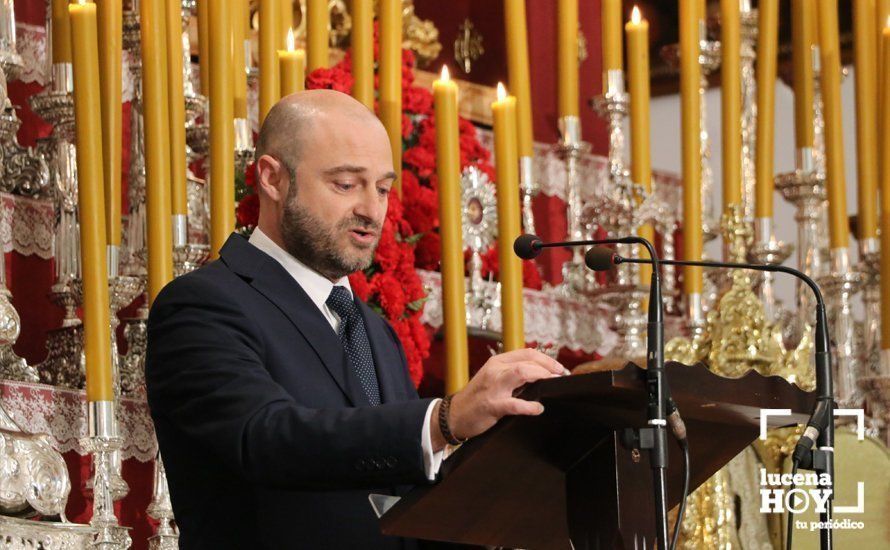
x: 541, y: 482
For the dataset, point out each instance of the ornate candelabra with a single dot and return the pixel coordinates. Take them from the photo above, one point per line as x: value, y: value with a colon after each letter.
x: 529, y: 187
x: 869, y: 257
x: 749, y: 24
x: 618, y: 213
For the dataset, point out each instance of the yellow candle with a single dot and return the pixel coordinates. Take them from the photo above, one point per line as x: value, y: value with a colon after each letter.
x: 611, y: 32
x: 803, y: 21
x: 767, y: 49
x: 505, y: 147
x: 885, y: 187
x: 836, y: 184
x: 448, y: 168
x: 731, y: 101
x: 88, y: 127
x: 61, y: 32
x: 317, y: 29
x: 517, y: 68
x: 157, y: 151
x: 637, y: 31
x: 362, y: 43
x: 292, y: 67
x: 239, y: 59
x: 268, y: 53
x: 866, y: 114
x: 690, y: 105
x: 285, y: 21
x: 110, y: 19
x: 204, y: 48
x: 390, y: 76
x: 222, y: 138
x: 567, y: 57
x: 882, y: 10
x: 176, y: 98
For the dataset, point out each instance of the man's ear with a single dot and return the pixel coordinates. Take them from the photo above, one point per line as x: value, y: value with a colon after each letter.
x: 271, y: 178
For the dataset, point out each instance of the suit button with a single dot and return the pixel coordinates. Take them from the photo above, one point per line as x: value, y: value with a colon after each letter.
x: 377, y: 464
x: 391, y: 461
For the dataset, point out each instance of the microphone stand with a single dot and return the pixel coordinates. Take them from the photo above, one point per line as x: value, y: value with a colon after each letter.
x: 654, y: 436
x: 821, y: 458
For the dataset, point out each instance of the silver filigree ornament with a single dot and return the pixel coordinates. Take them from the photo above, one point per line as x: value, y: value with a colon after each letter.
x: 479, y: 223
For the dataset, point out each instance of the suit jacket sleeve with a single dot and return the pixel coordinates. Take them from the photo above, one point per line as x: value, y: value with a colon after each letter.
x: 206, y: 380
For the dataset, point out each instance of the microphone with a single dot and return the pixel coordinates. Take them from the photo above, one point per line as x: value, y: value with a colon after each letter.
x: 527, y: 246
x: 820, y: 427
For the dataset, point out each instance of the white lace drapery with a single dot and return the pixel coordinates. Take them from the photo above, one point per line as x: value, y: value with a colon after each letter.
x: 550, y: 318
x: 550, y: 173
x: 26, y: 225
x: 62, y: 415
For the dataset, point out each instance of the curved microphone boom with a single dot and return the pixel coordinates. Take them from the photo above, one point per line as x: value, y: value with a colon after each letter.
x: 820, y: 427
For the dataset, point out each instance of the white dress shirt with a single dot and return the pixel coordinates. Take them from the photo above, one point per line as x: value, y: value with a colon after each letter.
x: 319, y: 287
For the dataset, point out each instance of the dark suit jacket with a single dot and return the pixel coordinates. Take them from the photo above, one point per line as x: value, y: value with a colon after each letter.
x: 267, y: 436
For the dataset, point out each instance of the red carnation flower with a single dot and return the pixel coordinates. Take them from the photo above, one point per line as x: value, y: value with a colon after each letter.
x: 334, y: 78
x: 392, y: 297
x: 247, y: 214
x: 250, y: 176
x: 359, y: 283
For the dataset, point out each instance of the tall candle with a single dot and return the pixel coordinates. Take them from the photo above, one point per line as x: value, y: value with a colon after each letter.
x: 222, y: 138
x: 61, y: 32
x: 239, y: 58
x: 731, y: 101
x: 864, y: 50
x: 292, y: 67
x: 204, y: 47
x: 839, y: 232
x: 882, y: 10
x: 157, y: 151
x: 885, y: 196
x: 803, y: 21
x: 505, y: 147
x: 317, y: 23
x: 268, y: 52
x: 567, y: 57
x: 390, y: 76
x: 176, y: 98
x: 637, y: 31
x: 110, y: 20
x: 362, y: 43
x: 690, y: 106
x: 517, y: 69
x: 88, y: 128
x: 767, y: 49
x: 450, y: 232
x: 611, y: 32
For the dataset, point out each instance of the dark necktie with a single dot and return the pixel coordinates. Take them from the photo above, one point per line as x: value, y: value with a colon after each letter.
x: 355, y: 341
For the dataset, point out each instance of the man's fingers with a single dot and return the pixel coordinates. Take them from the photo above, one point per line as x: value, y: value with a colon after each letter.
x: 516, y: 406
x: 524, y: 372
x: 535, y: 356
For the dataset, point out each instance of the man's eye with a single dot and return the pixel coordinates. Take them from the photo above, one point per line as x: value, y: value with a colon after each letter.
x: 384, y: 191
x: 343, y: 186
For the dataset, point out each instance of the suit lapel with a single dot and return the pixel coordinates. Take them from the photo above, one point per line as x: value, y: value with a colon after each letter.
x: 386, y: 357
x: 270, y: 279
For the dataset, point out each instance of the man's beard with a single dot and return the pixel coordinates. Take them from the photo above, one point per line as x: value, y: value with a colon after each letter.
x: 314, y: 242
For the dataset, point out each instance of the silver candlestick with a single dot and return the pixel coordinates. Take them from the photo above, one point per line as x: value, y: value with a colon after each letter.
x: 576, y: 277
x: 529, y: 188
x: 870, y: 256
x: 102, y: 443
x: 161, y: 509
x: 748, y: 26
x: 189, y: 257
x: 840, y: 285
x: 766, y: 249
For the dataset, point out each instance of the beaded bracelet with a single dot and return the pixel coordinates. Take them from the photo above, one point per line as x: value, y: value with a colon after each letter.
x: 444, y: 408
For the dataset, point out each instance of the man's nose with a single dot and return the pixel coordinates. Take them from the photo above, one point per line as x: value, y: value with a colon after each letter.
x: 370, y: 205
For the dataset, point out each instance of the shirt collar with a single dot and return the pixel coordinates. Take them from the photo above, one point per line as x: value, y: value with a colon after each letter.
x: 316, y: 285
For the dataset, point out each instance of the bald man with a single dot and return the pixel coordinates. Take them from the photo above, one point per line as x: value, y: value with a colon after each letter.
x: 280, y: 400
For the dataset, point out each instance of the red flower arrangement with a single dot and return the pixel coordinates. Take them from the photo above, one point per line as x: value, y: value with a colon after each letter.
x: 410, y: 238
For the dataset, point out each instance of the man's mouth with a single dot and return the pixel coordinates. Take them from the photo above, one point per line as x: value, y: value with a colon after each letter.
x: 363, y: 236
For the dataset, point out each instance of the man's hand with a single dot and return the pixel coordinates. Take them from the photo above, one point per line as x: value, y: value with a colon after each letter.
x: 489, y: 394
